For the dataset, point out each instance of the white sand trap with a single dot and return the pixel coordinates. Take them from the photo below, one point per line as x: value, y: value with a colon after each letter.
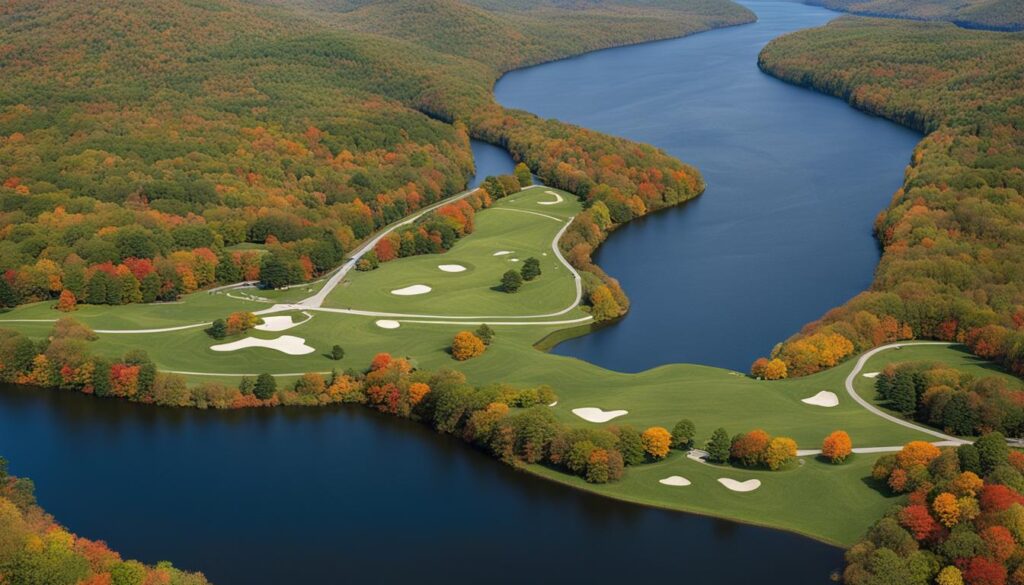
x: 675, y: 480
x: 596, y: 415
x: 388, y: 324
x: 288, y: 344
x: 513, y: 259
x: 502, y: 253
x: 555, y: 403
x: 558, y: 199
x: 416, y: 289
x: 823, y: 398
x: 452, y: 268
x: 279, y: 323
x: 740, y: 486
x: 872, y: 374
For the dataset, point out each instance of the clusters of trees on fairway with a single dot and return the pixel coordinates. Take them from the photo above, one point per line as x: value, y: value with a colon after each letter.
x: 753, y: 449
x: 952, y: 400
x: 988, y: 14
x: 954, y: 233
x: 236, y: 323
x: 34, y: 549
x: 513, y: 280
x: 963, y: 522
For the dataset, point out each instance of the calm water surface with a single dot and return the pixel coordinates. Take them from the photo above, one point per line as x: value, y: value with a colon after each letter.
x: 339, y: 495
x: 795, y: 179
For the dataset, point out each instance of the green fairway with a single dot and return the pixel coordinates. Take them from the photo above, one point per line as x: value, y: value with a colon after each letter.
x: 516, y: 228
x: 832, y: 503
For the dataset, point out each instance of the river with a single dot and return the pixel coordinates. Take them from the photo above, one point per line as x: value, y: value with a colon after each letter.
x: 338, y: 494
x: 795, y: 179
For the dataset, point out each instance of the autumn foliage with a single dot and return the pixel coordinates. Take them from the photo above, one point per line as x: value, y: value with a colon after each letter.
x: 657, y: 442
x: 837, y: 446
x: 466, y: 346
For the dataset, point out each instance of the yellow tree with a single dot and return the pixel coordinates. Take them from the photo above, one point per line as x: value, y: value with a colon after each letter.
x: 780, y: 451
x: 775, y: 370
x: 947, y: 509
x: 657, y: 441
x: 466, y: 346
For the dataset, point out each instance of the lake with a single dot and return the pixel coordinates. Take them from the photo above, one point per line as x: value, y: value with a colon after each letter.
x: 341, y: 495
x: 795, y: 179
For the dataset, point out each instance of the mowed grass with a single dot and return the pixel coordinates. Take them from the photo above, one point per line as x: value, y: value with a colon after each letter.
x: 512, y: 225
x: 831, y: 503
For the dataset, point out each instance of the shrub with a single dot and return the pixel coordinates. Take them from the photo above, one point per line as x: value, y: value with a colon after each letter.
x: 466, y: 346
x: 837, y: 446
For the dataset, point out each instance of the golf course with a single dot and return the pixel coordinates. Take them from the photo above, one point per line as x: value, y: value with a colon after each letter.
x: 413, y: 307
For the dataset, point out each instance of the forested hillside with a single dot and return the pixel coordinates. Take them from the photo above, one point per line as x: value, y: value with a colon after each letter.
x: 953, y: 237
x: 34, y: 549
x: 988, y: 14
x: 169, y: 145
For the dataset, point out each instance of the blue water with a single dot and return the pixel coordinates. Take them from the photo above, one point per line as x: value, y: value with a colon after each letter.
x: 490, y: 160
x: 341, y: 495
x: 783, y: 232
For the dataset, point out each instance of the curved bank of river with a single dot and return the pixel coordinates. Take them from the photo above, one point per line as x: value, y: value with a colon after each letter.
x: 338, y: 494
x: 783, y: 232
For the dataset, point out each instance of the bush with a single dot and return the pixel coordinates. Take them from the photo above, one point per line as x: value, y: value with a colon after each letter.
x: 466, y: 346
x: 511, y: 281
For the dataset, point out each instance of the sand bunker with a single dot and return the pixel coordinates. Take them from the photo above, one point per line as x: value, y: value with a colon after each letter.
x: 288, y: 344
x: 558, y: 199
x: 279, y: 323
x: 555, y: 403
x: 513, y: 259
x: 596, y: 415
x: 416, y: 289
x: 388, y: 324
x: 675, y: 480
x: 740, y: 486
x: 502, y: 253
x: 872, y: 374
x: 452, y: 268
x: 823, y: 398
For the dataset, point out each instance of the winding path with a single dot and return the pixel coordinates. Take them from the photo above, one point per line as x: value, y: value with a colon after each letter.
x: 879, y: 412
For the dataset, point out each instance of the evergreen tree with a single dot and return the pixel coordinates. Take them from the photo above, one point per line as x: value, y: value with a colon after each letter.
x: 531, y: 269
x: 957, y: 416
x: 683, y: 434
x: 511, y: 281
x: 969, y: 458
x: 150, y: 287
x: 992, y: 451
x: 903, y: 394
x: 8, y: 296
x: 337, y: 352
x: 265, y: 386
x: 718, y: 446
x: 631, y: 446
x: 218, y: 329
x: 227, y: 271
x: 485, y: 333
x: 101, y: 385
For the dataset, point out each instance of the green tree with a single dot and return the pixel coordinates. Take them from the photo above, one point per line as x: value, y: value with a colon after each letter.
x: 265, y: 386
x: 530, y: 269
x: 903, y: 394
x: 683, y: 434
x: 101, y: 385
x: 631, y: 446
x: 718, y: 446
x: 218, y: 329
x: 150, y: 287
x: 337, y: 352
x: 485, y: 333
x: 524, y: 175
x: 969, y: 458
x: 992, y: 451
x: 511, y: 281
x: 246, y: 385
x: 8, y: 296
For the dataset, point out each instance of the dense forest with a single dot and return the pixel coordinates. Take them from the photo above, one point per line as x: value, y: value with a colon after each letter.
x: 34, y: 549
x: 961, y: 524
x: 1007, y: 15
x: 953, y: 237
x: 160, y: 147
